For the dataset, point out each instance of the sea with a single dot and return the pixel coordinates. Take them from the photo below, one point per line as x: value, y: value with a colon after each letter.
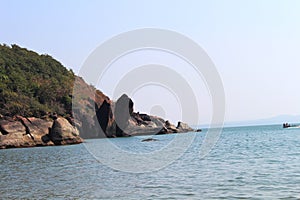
x: 255, y: 162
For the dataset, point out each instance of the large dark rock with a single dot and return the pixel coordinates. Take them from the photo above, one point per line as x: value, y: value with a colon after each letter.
x: 122, y: 113
x: 105, y: 117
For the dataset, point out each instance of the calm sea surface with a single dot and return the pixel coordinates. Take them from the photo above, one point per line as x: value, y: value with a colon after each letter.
x: 261, y: 162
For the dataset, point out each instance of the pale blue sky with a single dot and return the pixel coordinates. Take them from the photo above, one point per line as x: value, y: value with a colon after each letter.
x: 254, y: 44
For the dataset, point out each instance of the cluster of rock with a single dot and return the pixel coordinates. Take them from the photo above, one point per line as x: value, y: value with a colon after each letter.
x: 28, y: 132
x: 105, y: 119
x: 119, y: 120
x: 96, y: 116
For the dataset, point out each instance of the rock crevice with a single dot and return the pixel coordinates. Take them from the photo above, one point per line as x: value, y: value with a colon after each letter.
x: 29, y: 132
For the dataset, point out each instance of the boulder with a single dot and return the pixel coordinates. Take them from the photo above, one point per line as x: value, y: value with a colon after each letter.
x: 62, y: 132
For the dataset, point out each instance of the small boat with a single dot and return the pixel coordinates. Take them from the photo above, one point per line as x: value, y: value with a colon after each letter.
x: 287, y: 125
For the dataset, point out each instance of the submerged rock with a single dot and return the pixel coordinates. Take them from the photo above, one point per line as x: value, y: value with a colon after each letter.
x: 149, y: 140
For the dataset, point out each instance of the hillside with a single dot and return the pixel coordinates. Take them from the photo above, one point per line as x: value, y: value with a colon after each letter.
x: 33, y: 84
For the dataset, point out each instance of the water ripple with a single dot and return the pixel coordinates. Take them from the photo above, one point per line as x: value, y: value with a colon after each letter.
x: 247, y: 163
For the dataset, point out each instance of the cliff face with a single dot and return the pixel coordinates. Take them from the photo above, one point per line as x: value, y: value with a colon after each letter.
x: 91, y: 110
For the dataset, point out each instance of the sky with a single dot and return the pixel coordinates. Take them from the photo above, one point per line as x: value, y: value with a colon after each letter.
x: 254, y: 45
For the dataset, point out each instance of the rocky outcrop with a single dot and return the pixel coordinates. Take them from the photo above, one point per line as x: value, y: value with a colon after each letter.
x: 29, y: 132
x: 105, y: 119
x: 119, y: 120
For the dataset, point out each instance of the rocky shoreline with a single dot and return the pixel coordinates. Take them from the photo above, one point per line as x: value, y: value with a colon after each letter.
x: 111, y: 119
x: 19, y: 132
x: 37, y: 90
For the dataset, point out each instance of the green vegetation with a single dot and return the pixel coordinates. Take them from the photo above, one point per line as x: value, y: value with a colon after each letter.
x: 33, y: 84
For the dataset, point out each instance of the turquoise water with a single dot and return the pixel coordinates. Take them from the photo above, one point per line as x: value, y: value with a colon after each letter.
x: 260, y: 162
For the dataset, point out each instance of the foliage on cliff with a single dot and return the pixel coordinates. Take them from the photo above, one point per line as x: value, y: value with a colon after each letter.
x: 33, y: 84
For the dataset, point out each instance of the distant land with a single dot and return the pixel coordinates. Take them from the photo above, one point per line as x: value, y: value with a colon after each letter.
x: 280, y: 119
